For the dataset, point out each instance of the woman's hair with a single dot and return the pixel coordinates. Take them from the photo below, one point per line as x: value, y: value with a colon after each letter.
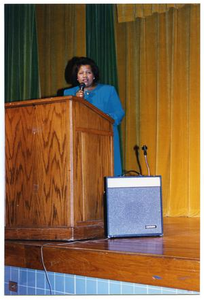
x: 74, y: 65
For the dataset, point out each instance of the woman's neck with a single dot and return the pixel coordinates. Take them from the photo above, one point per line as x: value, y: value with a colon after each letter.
x: 92, y: 87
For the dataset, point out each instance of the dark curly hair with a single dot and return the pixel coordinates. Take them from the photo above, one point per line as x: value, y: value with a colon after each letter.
x: 74, y: 65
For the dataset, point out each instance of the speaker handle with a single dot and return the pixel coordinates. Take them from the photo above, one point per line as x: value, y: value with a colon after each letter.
x: 130, y: 171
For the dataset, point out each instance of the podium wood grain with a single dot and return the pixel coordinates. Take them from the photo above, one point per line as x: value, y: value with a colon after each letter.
x: 58, y: 151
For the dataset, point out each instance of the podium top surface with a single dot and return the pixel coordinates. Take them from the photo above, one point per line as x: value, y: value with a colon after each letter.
x: 43, y: 101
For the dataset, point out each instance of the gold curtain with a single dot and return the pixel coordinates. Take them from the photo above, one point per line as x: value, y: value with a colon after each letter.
x: 61, y: 35
x: 159, y: 84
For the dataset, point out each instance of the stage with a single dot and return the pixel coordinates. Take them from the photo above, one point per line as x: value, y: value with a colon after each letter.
x: 169, y: 261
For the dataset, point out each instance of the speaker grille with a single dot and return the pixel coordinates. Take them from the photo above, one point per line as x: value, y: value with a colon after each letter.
x: 133, y: 211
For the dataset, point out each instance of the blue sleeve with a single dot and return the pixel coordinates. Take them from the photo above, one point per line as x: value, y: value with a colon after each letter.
x: 70, y: 91
x: 67, y: 93
x: 115, y: 109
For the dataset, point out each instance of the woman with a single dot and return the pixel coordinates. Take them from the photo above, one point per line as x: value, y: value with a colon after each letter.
x: 84, y: 71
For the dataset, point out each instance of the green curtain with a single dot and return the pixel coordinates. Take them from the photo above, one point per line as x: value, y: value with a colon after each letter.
x: 100, y: 40
x: 21, y: 57
x: 100, y: 44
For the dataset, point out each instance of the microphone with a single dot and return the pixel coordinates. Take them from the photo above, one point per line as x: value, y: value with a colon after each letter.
x: 82, y: 86
x: 144, y: 148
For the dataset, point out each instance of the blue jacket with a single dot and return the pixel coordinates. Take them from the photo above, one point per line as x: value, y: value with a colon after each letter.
x: 105, y: 98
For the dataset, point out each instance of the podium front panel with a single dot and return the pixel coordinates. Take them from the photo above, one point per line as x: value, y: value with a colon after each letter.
x: 55, y: 169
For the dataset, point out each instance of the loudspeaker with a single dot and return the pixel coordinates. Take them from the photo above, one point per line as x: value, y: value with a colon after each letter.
x: 133, y: 206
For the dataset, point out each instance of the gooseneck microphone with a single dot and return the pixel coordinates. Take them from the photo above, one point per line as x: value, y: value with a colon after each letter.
x: 82, y: 86
x: 144, y: 148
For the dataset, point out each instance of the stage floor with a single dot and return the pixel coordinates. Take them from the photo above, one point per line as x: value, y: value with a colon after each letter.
x: 172, y: 260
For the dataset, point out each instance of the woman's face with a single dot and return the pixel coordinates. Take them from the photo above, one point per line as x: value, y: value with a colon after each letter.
x: 85, y: 75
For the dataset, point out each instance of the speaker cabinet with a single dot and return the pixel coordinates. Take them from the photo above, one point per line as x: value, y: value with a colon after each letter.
x: 133, y: 206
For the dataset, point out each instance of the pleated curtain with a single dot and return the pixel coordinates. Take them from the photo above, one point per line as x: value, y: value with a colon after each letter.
x: 157, y: 73
x: 21, y: 53
x: 159, y: 83
x: 61, y: 35
x: 100, y: 40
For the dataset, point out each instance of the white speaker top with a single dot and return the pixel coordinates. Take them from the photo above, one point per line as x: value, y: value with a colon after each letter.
x: 139, y: 181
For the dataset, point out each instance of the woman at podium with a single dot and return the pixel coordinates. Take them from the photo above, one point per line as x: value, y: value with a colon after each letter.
x: 83, y: 74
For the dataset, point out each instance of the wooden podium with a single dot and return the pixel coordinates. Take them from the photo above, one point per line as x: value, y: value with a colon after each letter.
x: 58, y: 151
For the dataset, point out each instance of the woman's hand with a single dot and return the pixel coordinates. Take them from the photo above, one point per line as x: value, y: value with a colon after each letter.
x: 80, y: 94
